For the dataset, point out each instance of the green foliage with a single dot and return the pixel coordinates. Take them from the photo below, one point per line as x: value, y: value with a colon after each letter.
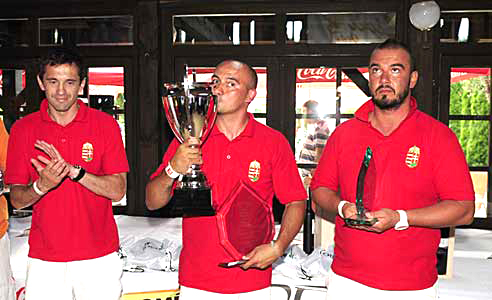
x: 120, y: 101
x: 472, y: 97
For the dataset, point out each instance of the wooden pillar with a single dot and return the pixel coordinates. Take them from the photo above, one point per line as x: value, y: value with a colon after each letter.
x: 425, y: 48
x: 147, y: 125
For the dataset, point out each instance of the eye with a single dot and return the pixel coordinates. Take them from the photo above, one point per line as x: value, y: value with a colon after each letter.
x: 215, y: 83
x: 375, y: 71
x: 231, y: 84
x: 395, y: 70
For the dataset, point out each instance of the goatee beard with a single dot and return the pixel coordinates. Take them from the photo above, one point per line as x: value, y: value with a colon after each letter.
x: 384, y: 103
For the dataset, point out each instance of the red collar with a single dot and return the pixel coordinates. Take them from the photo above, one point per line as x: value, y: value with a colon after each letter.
x: 80, y: 117
x: 363, y: 112
x: 247, y: 132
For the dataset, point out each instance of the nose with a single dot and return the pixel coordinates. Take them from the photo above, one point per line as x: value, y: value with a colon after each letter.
x: 60, y: 89
x: 385, y: 76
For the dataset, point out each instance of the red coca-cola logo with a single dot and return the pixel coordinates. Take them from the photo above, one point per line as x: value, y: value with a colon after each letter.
x: 317, y: 74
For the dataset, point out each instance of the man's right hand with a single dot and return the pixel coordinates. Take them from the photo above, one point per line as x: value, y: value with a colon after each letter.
x: 349, y: 210
x: 187, y: 154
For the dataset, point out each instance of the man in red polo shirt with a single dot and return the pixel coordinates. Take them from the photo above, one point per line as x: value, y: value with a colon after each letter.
x: 422, y: 183
x: 7, y: 289
x: 236, y: 143
x: 68, y: 161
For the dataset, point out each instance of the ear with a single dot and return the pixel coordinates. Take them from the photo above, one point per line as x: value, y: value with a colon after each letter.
x: 40, y: 83
x: 82, y: 85
x: 251, y: 95
x: 414, y: 76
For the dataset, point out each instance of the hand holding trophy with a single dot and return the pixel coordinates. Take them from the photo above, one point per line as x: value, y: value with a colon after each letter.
x: 191, y: 109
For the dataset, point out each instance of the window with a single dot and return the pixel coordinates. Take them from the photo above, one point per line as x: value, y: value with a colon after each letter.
x: 236, y: 29
x: 12, y: 95
x: 470, y: 119
x: 466, y: 27
x: 14, y: 32
x: 106, y: 92
x: 333, y: 92
x: 340, y: 28
x: 81, y: 31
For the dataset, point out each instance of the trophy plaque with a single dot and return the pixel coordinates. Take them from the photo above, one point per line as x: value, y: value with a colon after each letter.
x: 191, y: 109
x: 245, y: 221
x: 366, y: 186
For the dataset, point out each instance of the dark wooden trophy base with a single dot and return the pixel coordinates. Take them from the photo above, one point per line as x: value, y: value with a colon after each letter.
x: 191, y: 203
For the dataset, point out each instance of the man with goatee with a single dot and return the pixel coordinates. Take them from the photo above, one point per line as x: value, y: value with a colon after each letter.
x: 420, y: 183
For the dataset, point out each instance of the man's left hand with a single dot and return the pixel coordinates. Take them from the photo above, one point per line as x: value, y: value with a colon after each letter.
x: 387, y: 218
x: 262, y: 256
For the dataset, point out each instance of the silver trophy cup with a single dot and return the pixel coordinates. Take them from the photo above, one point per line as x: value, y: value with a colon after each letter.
x: 191, y: 109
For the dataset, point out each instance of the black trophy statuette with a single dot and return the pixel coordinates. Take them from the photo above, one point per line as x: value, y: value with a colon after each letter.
x: 190, y: 109
x: 365, y: 191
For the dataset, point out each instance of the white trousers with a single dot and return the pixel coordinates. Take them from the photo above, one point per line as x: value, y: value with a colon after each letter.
x: 342, y: 288
x: 187, y: 293
x: 7, y: 288
x: 92, y: 279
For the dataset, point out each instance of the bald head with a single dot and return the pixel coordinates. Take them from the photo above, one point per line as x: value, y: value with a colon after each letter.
x: 250, y: 72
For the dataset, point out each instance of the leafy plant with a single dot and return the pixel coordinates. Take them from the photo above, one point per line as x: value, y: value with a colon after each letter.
x: 472, y: 97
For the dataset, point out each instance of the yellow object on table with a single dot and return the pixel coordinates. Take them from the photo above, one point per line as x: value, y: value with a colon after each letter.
x: 153, y: 295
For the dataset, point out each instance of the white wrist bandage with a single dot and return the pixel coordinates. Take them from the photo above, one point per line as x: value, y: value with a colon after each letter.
x: 36, y: 189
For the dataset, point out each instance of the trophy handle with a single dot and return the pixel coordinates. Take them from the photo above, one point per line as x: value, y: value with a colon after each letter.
x: 171, y: 115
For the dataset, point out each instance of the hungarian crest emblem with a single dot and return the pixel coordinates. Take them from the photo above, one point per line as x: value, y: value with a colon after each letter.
x: 254, y: 171
x: 413, y: 156
x: 87, y: 152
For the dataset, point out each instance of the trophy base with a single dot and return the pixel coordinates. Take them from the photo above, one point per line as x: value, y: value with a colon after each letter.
x: 192, y: 203
x: 360, y: 222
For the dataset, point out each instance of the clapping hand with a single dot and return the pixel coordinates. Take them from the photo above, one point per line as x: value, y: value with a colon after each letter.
x: 51, y: 171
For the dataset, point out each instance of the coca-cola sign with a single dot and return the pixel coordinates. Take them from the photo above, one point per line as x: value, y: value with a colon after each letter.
x: 321, y: 75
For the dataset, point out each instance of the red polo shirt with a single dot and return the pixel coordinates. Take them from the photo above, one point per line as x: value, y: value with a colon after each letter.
x: 419, y: 164
x: 225, y: 164
x: 69, y: 222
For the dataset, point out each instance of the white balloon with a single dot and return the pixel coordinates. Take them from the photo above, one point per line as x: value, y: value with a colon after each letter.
x: 424, y: 15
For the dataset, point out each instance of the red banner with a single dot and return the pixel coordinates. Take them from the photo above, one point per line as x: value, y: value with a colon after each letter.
x: 460, y: 74
x: 98, y: 78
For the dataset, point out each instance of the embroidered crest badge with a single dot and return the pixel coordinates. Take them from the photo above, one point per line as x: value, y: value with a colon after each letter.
x: 87, y: 152
x: 413, y: 155
x: 254, y: 171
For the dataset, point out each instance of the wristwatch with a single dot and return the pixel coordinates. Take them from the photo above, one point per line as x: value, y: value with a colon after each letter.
x: 80, y: 174
x: 403, y: 223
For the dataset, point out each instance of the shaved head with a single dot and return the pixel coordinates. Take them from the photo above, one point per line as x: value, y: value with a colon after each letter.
x: 252, y: 77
